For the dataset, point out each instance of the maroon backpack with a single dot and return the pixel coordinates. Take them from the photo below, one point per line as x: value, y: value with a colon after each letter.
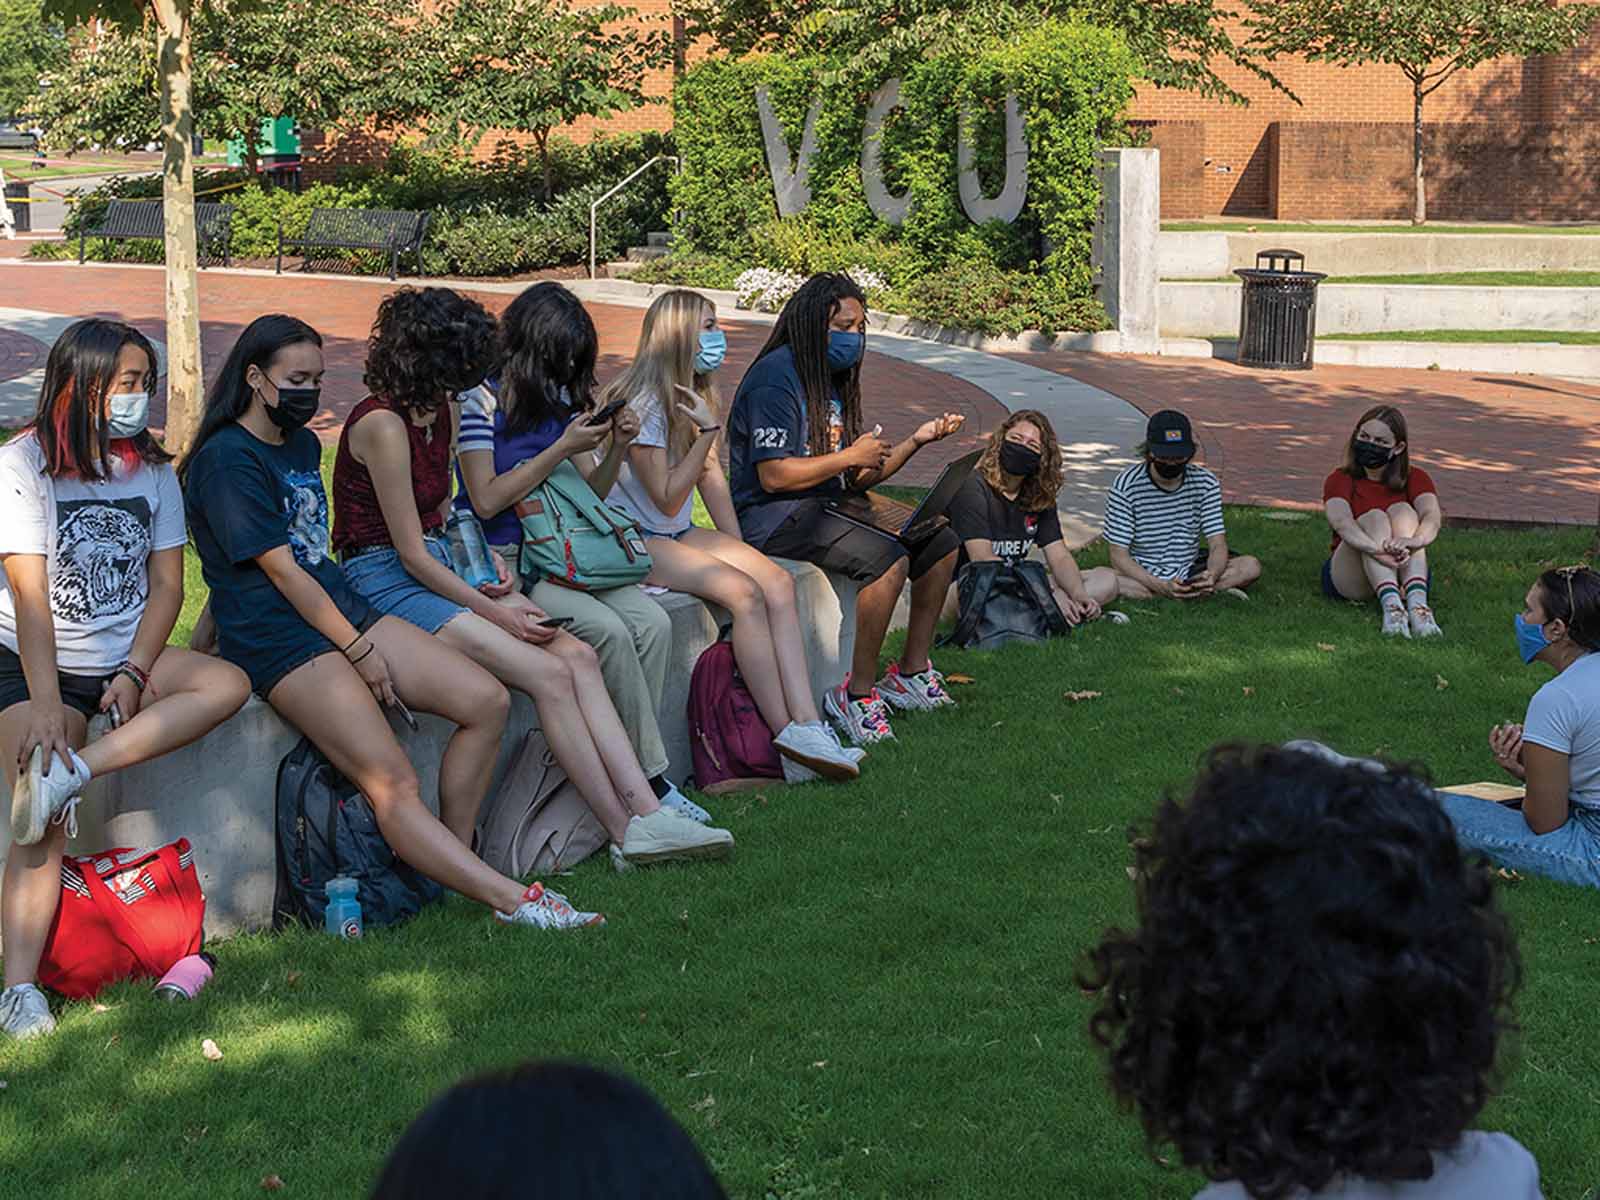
x: 729, y: 742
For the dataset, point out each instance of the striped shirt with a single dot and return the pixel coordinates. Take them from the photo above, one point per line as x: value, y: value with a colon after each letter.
x: 477, y: 420
x: 1163, y: 530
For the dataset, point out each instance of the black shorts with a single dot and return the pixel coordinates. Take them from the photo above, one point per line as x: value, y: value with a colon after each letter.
x: 82, y: 692
x: 813, y: 534
x: 1202, y: 561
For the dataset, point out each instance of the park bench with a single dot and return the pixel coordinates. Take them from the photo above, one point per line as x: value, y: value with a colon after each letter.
x: 396, y: 231
x: 126, y: 220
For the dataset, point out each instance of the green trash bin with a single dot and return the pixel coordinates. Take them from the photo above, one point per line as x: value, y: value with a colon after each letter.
x: 1278, y: 312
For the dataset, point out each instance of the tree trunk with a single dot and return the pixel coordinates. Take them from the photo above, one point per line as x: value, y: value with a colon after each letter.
x: 542, y: 141
x: 176, y: 63
x: 1419, y: 212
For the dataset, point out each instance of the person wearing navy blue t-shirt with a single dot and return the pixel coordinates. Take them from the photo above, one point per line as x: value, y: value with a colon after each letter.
x: 795, y: 441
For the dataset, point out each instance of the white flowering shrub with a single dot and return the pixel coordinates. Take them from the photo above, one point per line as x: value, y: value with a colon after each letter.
x: 868, y: 281
x: 765, y: 289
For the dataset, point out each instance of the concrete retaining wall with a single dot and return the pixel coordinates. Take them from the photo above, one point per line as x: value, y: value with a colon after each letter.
x: 219, y: 792
x: 1211, y: 309
x: 1209, y: 254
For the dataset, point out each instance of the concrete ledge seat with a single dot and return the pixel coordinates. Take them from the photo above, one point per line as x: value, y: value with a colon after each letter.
x: 219, y: 792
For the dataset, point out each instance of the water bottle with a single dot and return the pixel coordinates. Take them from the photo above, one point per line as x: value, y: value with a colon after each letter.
x: 186, y: 977
x: 343, y: 915
x: 470, y: 555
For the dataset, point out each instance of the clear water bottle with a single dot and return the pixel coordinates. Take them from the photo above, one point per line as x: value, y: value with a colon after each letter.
x: 186, y: 977
x: 469, y: 550
x: 342, y: 918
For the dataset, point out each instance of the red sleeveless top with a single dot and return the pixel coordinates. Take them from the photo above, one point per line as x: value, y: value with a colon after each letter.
x: 358, y: 520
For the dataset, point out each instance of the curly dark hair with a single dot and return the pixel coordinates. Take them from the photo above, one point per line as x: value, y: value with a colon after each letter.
x: 1320, y: 980
x: 426, y: 345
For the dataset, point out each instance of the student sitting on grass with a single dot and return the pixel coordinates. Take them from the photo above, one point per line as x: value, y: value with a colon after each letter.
x: 1008, y: 506
x: 549, y: 1131
x: 671, y: 388
x: 529, y: 417
x: 391, y: 486
x: 795, y: 441
x: 91, y: 583
x: 1313, y: 1001
x: 1555, y: 751
x: 326, y: 661
x: 1384, y: 514
x: 1158, y: 511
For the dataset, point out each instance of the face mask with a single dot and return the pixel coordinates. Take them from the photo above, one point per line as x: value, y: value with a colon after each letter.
x: 1168, y: 470
x: 844, y: 349
x: 1370, y: 454
x: 295, y: 407
x: 1017, y: 459
x: 127, y: 413
x: 713, y: 349
x: 1530, y: 639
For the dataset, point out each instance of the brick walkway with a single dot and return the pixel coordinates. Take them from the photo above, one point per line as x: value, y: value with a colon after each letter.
x: 901, y: 395
x: 1500, y: 447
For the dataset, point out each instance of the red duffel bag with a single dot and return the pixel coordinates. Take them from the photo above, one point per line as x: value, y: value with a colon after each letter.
x: 123, y: 913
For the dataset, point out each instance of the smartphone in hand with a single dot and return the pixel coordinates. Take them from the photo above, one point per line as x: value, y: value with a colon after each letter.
x: 405, y: 714
x: 553, y: 622
x: 609, y: 411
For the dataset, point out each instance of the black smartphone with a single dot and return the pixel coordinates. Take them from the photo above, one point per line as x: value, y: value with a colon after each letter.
x: 609, y: 411
x: 554, y: 622
x: 405, y: 713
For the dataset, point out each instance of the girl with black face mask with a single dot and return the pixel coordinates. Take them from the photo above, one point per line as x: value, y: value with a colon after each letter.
x: 1384, y: 514
x: 327, y: 661
x: 1007, y: 508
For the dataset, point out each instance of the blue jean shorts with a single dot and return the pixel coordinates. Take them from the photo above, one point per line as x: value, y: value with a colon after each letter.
x: 381, y: 579
x: 671, y: 537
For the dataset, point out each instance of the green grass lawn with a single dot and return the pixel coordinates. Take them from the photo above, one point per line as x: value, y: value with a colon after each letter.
x: 876, y: 997
x: 1246, y: 226
x: 1566, y: 337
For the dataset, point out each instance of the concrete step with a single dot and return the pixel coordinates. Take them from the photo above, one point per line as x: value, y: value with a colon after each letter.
x: 619, y: 270
x: 641, y: 254
x: 658, y: 238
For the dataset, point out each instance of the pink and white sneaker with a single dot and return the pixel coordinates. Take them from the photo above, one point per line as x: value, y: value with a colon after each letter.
x: 544, y: 909
x: 863, y: 722
x: 922, y: 692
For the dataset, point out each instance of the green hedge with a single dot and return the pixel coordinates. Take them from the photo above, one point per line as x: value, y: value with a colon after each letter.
x: 484, y: 220
x: 1073, y: 83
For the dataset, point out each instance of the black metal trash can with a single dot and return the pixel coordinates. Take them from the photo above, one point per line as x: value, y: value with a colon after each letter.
x: 21, y: 214
x: 1278, y: 312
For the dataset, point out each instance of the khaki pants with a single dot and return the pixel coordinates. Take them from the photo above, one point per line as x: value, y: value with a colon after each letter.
x: 632, y: 635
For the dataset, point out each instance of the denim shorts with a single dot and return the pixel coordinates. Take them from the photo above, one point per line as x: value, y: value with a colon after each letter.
x: 671, y: 537
x: 382, y: 580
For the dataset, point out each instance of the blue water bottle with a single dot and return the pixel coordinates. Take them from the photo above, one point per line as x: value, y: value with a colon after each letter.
x: 343, y: 915
x: 469, y: 549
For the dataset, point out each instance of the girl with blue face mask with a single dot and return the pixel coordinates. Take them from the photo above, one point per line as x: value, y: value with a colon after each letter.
x: 672, y: 387
x: 1555, y: 750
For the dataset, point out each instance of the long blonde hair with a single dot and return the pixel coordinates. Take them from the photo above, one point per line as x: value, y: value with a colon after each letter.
x: 665, y: 357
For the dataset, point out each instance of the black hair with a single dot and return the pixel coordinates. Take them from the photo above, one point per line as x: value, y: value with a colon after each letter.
x: 582, y: 1133
x: 547, y: 342
x: 1572, y: 594
x: 427, y: 344
x: 1320, y: 979
x: 803, y: 327
x: 79, y: 372
x: 229, y: 396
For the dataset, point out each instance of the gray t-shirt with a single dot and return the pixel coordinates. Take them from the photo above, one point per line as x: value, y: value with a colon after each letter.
x: 1483, y: 1166
x: 1564, y: 715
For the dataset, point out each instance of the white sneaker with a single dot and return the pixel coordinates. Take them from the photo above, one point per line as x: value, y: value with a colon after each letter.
x: 25, y: 1013
x: 1116, y: 616
x: 544, y: 909
x: 665, y: 835
x: 856, y: 754
x: 675, y: 799
x: 1395, y: 623
x: 864, y: 721
x: 810, y: 747
x: 1422, y: 623
x: 619, y: 864
x: 1236, y: 593
x: 922, y: 692
x: 41, y: 797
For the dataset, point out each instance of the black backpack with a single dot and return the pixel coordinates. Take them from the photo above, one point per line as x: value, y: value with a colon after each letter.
x: 1003, y: 603
x: 326, y: 828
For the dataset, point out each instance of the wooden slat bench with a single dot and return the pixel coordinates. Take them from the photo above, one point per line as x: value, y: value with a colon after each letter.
x: 127, y: 220
x: 394, y: 231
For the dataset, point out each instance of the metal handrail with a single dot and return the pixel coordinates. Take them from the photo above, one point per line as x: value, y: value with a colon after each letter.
x: 595, y: 207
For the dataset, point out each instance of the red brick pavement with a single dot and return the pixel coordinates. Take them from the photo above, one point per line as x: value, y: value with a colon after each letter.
x: 1500, y: 447
x: 19, y: 354
x: 900, y: 395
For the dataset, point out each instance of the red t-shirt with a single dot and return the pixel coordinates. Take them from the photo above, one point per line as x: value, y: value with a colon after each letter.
x: 1363, y: 495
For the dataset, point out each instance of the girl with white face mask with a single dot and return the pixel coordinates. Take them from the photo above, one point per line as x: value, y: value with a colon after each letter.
x: 91, y: 583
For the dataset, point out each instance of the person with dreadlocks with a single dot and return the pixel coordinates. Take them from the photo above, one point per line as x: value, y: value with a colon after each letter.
x: 795, y: 441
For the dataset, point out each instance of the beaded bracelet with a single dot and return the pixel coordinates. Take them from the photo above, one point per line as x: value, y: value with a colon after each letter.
x: 358, y: 659
x: 137, y: 675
